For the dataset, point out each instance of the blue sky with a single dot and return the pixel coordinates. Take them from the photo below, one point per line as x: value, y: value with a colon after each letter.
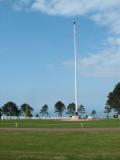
x: 36, y: 51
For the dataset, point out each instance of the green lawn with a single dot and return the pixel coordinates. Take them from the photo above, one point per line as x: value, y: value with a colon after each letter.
x: 59, y: 145
x: 28, y: 145
x: 112, y: 123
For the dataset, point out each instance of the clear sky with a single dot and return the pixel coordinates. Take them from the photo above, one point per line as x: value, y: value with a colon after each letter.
x: 36, y: 51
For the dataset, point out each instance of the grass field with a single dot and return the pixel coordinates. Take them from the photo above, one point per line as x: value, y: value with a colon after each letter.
x: 112, y: 123
x: 28, y: 145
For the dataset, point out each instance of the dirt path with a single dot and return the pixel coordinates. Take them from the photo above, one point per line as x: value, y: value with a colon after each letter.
x: 60, y: 129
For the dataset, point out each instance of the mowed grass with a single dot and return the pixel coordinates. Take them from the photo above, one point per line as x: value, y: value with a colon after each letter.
x: 59, y: 145
x: 29, y: 145
x: 110, y: 123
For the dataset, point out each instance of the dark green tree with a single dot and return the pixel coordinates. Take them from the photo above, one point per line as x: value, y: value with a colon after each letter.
x: 107, y: 110
x: 81, y: 109
x: 0, y: 113
x: 10, y: 109
x: 113, y: 100
x: 37, y: 115
x: 59, y: 107
x: 27, y: 110
x: 71, y: 109
x: 93, y: 113
x: 44, y: 110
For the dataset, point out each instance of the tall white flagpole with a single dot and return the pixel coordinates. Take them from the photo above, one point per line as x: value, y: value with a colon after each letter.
x: 75, y: 58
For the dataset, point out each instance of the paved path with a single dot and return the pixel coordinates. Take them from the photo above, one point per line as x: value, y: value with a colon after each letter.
x: 60, y: 129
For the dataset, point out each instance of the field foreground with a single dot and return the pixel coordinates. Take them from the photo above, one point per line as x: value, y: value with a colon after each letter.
x: 88, y: 143
x: 59, y: 145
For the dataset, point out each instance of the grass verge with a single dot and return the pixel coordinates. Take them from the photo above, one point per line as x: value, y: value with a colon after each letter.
x: 59, y: 145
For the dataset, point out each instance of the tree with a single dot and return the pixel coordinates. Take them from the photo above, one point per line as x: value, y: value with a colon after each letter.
x: 59, y: 107
x: 71, y: 109
x: 81, y: 109
x: 10, y: 109
x: 113, y: 100
x: 107, y: 110
x: 44, y: 110
x: 0, y: 113
x: 26, y: 109
x: 37, y: 115
x: 93, y: 113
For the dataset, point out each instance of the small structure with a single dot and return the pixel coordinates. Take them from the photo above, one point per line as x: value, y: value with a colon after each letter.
x: 89, y: 117
x: 75, y: 117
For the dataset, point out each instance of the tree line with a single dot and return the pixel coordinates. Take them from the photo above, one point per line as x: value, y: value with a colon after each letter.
x: 112, y: 104
x: 11, y: 109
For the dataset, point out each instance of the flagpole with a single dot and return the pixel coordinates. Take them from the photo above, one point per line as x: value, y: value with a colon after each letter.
x: 75, y: 62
